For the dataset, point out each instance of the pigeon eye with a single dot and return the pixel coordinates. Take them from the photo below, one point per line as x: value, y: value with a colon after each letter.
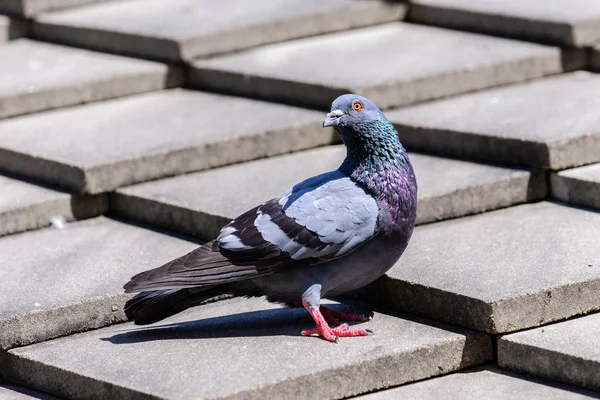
x: 357, y: 106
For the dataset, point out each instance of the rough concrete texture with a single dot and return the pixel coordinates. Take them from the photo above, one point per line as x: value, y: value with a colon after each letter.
x: 447, y: 188
x: 594, y: 58
x: 36, y: 76
x: 29, y: 8
x: 241, y: 349
x: 151, y: 136
x: 578, y: 185
x: 11, y: 29
x: 566, y: 23
x: 488, y: 383
x: 501, y: 271
x: 393, y: 64
x: 59, y: 281
x: 551, y: 123
x: 184, y: 29
x: 565, y: 352
x: 12, y: 392
x: 25, y: 205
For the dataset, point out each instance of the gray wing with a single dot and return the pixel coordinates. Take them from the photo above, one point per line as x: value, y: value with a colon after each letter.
x: 327, y: 216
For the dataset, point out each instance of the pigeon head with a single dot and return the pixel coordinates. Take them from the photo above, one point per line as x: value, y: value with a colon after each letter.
x: 352, y: 111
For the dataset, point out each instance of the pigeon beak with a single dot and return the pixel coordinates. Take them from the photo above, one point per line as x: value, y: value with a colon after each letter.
x: 332, y: 118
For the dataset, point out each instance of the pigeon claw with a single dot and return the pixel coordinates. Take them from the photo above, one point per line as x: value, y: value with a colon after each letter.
x: 328, y: 333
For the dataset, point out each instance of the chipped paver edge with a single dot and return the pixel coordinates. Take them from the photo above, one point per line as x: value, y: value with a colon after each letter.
x: 393, y: 94
x: 441, y: 358
x: 35, y: 216
x: 523, y: 186
x: 353, y: 16
x: 96, y: 179
x: 25, y: 329
x: 549, y: 364
x: 491, y: 316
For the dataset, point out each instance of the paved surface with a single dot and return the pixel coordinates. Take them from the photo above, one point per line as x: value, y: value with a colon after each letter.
x: 25, y: 205
x: 313, y: 71
x: 12, y: 392
x: 58, y: 281
x: 252, y: 330
x: 548, y: 123
x: 447, y: 189
x: 545, y: 255
x: 185, y: 29
x: 36, y: 76
x: 578, y: 185
x: 566, y: 351
x: 91, y: 129
x: 166, y: 133
x: 568, y: 23
x: 481, y: 383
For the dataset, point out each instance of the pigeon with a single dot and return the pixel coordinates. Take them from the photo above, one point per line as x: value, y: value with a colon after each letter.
x: 323, y: 238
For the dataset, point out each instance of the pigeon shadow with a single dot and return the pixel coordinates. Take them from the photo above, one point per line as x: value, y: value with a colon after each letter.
x: 271, y: 322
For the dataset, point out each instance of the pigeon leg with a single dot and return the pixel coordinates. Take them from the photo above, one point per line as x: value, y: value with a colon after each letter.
x: 335, y: 317
x: 310, y: 300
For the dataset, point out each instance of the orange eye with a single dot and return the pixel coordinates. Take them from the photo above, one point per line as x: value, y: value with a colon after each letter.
x: 357, y: 106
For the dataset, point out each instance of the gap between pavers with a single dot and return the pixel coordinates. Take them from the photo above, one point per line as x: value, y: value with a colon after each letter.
x: 578, y: 186
x: 29, y: 8
x: 241, y: 349
x: 490, y: 383
x: 11, y: 28
x: 572, y: 24
x: 59, y: 281
x: 501, y: 271
x: 549, y: 123
x: 98, y: 147
x: 185, y: 29
x: 37, y: 76
x: 200, y: 204
x: 397, y: 64
x: 26, y: 205
x: 566, y: 351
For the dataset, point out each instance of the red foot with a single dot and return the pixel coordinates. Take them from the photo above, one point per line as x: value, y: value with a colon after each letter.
x: 335, y: 317
x: 329, y: 333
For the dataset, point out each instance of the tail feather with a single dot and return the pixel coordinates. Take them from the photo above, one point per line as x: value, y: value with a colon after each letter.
x: 149, y: 307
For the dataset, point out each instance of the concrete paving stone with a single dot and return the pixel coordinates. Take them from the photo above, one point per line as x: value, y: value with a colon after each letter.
x: 578, y: 185
x: 562, y: 22
x: 241, y: 349
x: 447, y: 189
x: 565, y: 352
x: 11, y: 29
x: 488, y: 383
x: 36, y: 76
x: 59, y: 281
x: 549, y: 123
x: 594, y: 57
x: 184, y: 29
x: 29, y: 8
x: 392, y: 64
x: 12, y: 392
x: 25, y: 205
x: 99, y: 147
x: 501, y: 271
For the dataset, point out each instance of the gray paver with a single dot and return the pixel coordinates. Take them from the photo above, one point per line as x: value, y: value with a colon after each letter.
x: 567, y: 23
x: 10, y: 28
x: 25, y: 205
x: 36, y: 76
x: 185, y: 29
x: 12, y: 392
x: 551, y: 123
x: 578, y: 185
x: 241, y: 349
x: 98, y: 147
x: 594, y: 58
x: 59, y: 281
x: 447, y: 188
x: 501, y: 271
x: 482, y: 383
x: 566, y: 351
x: 29, y: 8
x: 393, y: 64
